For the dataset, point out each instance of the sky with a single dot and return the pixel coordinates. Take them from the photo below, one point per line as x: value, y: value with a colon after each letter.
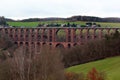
x: 21, y: 9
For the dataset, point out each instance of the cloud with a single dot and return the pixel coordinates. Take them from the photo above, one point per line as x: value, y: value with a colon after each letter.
x: 58, y: 8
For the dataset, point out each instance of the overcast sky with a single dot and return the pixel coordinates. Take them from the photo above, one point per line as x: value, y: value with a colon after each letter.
x: 20, y: 9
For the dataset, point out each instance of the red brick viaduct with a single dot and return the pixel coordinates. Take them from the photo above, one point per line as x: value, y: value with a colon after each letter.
x: 55, y: 37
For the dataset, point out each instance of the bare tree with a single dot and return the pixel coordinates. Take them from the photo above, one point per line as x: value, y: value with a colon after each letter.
x: 29, y: 66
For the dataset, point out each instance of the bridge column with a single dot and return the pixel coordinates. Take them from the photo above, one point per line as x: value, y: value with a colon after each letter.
x: 48, y: 35
x: 3, y: 31
x: 30, y: 35
x: 67, y: 34
x: 24, y: 34
x: 94, y: 34
x: 100, y: 33
x: 87, y: 34
x: 53, y: 35
x: 33, y: 34
x: 18, y: 44
x: 11, y: 33
x: 29, y: 47
x: 36, y: 34
x: 8, y: 30
x: 14, y: 34
x: 35, y: 48
x: 80, y: 35
x: 42, y: 35
x: 72, y: 35
x: 19, y: 34
x: 24, y: 44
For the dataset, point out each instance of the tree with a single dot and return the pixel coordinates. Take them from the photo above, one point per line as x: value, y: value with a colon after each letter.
x: 25, y: 65
x: 7, y: 46
x: 3, y: 21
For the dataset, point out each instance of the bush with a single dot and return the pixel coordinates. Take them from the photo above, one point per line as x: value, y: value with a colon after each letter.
x: 93, y: 74
x: 7, y: 46
x: 74, y: 76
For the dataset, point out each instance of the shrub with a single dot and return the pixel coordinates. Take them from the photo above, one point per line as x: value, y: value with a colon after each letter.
x: 74, y: 76
x: 7, y: 46
x: 95, y: 75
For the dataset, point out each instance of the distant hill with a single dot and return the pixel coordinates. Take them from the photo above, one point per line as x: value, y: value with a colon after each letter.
x: 85, y: 18
x: 112, y: 19
x: 41, y: 19
x: 7, y: 19
x: 93, y: 18
x: 73, y: 18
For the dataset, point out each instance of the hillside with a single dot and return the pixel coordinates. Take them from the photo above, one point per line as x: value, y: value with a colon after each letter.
x: 75, y: 18
x: 72, y: 18
x: 111, y: 66
x: 34, y: 24
x: 93, y: 19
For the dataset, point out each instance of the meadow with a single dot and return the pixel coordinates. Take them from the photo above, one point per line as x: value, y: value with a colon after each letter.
x: 111, y: 67
x: 23, y: 24
x: 34, y: 24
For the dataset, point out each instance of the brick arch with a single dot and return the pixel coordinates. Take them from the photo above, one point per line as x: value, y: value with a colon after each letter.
x: 37, y: 35
x: 57, y: 30
x: 60, y: 35
x: 21, y: 43
x: 59, y: 45
x: 27, y: 43
x: 75, y: 44
x: 44, y: 43
x: 69, y: 45
x: 50, y: 44
x: 16, y: 43
x: 38, y: 43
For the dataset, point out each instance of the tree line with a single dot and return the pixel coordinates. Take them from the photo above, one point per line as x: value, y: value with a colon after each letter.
x: 73, y: 18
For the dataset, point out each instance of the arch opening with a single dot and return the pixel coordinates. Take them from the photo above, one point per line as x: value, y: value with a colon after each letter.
x: 75, y: 44
x: 60, y: 35
x: 69, y: 45
x: 59, y: 45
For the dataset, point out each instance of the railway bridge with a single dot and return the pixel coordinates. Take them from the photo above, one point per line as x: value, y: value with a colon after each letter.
x: 55, y: 36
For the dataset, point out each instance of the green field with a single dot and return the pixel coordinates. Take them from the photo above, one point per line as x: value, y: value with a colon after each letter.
x: 23, y: 24
x: 111, y: 66
x: 34, y: 24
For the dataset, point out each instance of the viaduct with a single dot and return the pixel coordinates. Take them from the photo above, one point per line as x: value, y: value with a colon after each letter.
x: 54, y: 36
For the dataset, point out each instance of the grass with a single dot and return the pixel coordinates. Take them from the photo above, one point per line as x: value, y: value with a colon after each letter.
x: 34, y: 24
x: 103, y: 24
x: 111, y: 66
x: 108, y: 24
x: 23, y: 24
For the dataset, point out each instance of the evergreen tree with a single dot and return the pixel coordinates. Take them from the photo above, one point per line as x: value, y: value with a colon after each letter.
x: 3, y: 21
